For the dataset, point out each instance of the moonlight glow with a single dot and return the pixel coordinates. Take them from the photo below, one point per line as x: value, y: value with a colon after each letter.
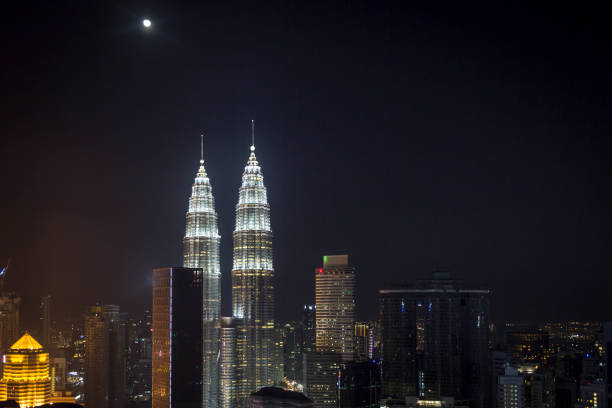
x: 146, y: 22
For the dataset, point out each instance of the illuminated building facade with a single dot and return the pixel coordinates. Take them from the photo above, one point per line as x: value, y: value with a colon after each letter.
x: 231, y: 344
x: 321, y: 371
x: 252, y: 281
x: 309, y: 322
x: 435, y: 337
x: 177, y: 338
x: 511, y: 389
x: 201, y: 250
x: 335, y: 305
x: 528, y: 346
x: 26, y: 374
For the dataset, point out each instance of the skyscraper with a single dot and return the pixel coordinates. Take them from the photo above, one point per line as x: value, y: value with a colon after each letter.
x: 309, y: 322
x: 435, y: 337
x: 335, y: 305
x: 105, y: 358
x: 201, y: 250
x: 9, y: 319
x: 252, y: 279
x: 26, y: 374
x: 231, y: 342
x: 511, y: 389
x: 45, y: 321
x: 177, y: 338
x: 96, y: 359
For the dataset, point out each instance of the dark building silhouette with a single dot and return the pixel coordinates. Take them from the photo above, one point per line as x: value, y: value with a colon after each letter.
x: 272, y: 397
x: 321, y: 377
x: 435, y: 337
x: 45, y: 321
x: 105, y: 358
x: 359, y: 385
x: 9, y: 319
x: 177, y: 338
x: 293, y: 340
x: 309, y: 323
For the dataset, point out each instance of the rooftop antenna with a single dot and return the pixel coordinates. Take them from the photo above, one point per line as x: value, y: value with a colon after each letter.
x: 202, y: 148
x: 252, y: 135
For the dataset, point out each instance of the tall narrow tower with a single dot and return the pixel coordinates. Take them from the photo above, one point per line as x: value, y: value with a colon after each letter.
x: 201, y: 250
x: 252, y: 280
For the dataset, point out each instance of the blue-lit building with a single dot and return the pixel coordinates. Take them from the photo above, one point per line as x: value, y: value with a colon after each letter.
x: 435, y: 335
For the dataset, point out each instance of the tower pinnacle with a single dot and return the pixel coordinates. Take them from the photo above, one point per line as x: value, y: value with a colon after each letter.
x: 202, y: 149
x: 252, y: 135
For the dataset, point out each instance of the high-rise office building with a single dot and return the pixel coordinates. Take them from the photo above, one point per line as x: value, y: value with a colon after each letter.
x: 293, y: 341
x: 435, y: 336
x: 116, y: 331
x: 45, y: 321
x: 201, y: 250
x: 177, y: 338
x: 335, y: 305
x: 231, y: 344
x: 359, y: 385
x: 253, y: 280
x: 96, y: 359
x: 511, y: 389
x: 364, y: 341
x: 9, y: 319
x: 309, y: 322
x: 26, y: 374
x: 321, y: 370
x: 105, y: 358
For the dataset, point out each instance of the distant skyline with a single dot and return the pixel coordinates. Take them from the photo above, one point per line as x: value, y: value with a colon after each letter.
x: 410, y: 137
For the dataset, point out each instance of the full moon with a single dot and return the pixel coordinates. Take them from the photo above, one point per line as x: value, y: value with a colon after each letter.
x: 146, y: 22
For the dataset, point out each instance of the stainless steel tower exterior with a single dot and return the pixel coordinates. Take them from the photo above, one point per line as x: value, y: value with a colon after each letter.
x: 252, y: 281
x: 201, y: 250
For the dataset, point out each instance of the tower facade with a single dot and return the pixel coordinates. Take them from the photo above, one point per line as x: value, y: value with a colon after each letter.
x: 436, y: 341
x: 177, y: 338
x: 201, y: 250
x: 26, y: 374
x: 252, y: 280
x: 105, y: 358
x: 335, y: 305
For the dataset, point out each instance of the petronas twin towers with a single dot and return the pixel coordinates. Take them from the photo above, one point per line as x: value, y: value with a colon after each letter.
x: 252, y: 285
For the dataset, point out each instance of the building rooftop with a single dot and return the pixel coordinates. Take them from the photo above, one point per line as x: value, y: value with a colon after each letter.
x: 26, y: 342
x: 280, y: 393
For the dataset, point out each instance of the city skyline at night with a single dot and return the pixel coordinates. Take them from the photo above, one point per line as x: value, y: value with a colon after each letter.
x: 475, y: 142
x: 410, y: 139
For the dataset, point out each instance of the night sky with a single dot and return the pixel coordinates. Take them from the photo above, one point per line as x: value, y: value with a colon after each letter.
x: 413, y: 138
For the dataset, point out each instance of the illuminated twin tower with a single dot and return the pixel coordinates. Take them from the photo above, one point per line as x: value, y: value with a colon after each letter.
x: 252, y: 287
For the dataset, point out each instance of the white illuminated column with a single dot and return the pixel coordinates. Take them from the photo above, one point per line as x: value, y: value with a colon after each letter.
x: 201, y: 250
x: 252, y: 280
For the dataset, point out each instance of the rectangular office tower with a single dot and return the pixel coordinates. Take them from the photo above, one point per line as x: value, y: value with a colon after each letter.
x: 435, y: 336
x: 335, y: 305
x: 177, y: 338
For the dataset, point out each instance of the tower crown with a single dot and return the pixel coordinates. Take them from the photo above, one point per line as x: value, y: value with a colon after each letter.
x: 26, y: 342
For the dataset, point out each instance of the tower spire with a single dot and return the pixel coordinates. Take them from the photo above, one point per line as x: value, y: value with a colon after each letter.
x: 252, y: 135
x: 202, y: 148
